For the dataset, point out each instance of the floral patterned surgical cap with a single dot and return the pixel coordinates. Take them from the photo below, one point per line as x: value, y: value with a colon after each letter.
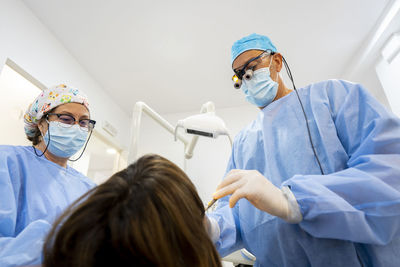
x: 49, y: 99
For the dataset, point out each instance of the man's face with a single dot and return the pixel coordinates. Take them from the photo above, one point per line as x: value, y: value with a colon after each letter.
x: 272, y: 61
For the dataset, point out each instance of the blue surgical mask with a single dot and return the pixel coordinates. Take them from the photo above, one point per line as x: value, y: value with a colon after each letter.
x: 65, y: 140
x: 260, y: 90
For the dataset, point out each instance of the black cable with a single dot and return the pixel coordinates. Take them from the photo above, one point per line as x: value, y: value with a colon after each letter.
x: 305, y: 116
x: 48, y: 129
x: 87, y: 141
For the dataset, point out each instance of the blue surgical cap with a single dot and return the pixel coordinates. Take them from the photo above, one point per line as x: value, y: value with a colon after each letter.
x: 250, y: 42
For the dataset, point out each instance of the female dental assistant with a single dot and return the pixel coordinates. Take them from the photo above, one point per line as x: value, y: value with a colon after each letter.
x: 314, y: 180
x: 36, y: 184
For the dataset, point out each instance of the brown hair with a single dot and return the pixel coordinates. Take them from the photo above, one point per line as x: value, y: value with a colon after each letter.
x: 36, y: 138
x: 148, y: 214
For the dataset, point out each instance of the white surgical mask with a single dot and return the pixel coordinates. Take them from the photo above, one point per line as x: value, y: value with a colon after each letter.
x: 66, y: 140
x: 260, y: 90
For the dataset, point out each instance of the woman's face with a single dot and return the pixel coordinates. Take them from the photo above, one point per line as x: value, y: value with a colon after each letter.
x: 76, y: 110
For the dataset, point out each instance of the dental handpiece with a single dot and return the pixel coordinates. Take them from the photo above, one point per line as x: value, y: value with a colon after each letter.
x: 209, y: 205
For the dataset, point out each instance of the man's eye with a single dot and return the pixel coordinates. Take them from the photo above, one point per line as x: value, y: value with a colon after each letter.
x: 250, y: 68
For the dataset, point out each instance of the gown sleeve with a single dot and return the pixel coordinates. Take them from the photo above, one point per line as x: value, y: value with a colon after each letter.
x: 362, y: 202
x: 17, y: 246
x: 228, y: 221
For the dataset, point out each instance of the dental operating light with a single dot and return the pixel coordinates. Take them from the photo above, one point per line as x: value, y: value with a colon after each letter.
x: 204, y: 124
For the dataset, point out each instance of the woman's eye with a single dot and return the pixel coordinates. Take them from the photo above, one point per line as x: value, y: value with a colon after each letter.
x: 67, y: 120
x: 84, y: 123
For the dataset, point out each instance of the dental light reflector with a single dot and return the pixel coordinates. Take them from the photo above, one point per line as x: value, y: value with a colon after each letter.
x: 205, y: 124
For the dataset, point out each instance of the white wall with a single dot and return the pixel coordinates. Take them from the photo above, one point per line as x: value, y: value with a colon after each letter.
x: 25, y: 40
x: 16, y: 95
x: 369, y: 79
x: 389, y: 76
x: 207, y: 167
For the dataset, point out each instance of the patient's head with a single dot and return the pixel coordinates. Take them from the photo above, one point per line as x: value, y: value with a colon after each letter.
x: 146, y: 215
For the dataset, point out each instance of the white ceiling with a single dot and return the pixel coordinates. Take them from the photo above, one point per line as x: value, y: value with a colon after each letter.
x: 175, y: 54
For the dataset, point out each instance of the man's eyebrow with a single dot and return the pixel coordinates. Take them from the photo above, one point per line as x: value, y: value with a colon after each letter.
x: 251, y: 60
x: 239, y: 68
x: 247, y: 63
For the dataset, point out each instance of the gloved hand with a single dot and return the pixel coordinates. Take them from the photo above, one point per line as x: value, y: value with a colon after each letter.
x: 260, y: 192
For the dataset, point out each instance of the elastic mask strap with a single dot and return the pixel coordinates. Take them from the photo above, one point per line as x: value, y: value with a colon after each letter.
x: 277, y: 73
x: 270, y: 61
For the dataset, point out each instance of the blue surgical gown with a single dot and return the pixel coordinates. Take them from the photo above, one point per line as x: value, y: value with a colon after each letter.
x: 351, y: 215
x: 33, y: 192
